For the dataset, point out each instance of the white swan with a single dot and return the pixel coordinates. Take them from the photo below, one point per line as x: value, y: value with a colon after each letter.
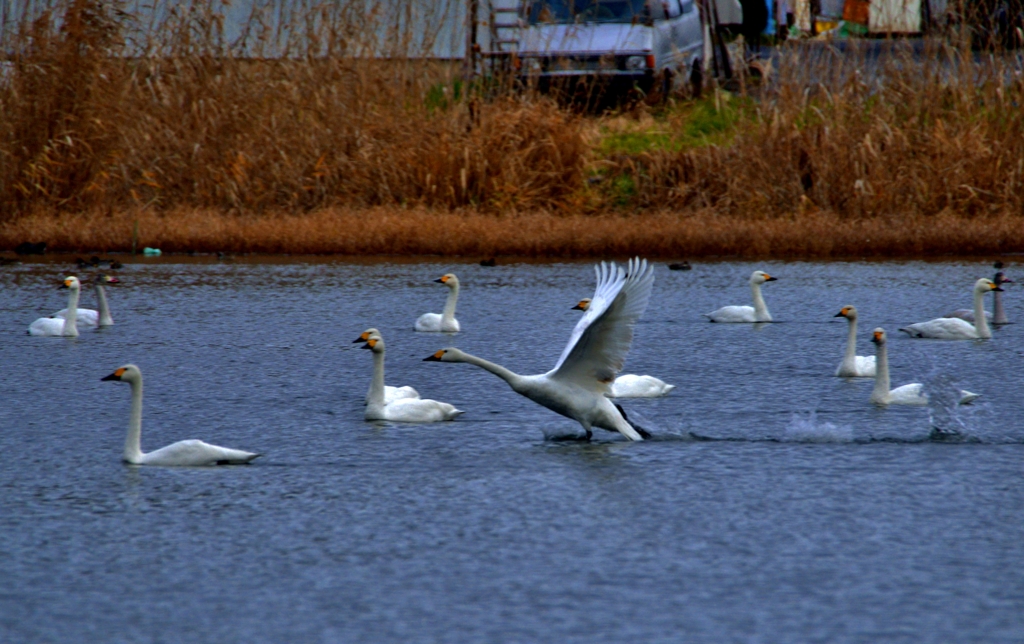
x: 407, y: 410
x: 391, y: 394
x: 60, y: 326
x: 955, y: 328
x: 757, y: 313
x: 630, y: 385
x: 579, y: 385
x: 188, y: 452
x: 998, y: 314
x: 912, y: 394
x: 853, y: 365
x: 444, y: 322
x: 91, y: 317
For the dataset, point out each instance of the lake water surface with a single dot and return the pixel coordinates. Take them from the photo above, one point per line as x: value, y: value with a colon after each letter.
x: 817, y: 518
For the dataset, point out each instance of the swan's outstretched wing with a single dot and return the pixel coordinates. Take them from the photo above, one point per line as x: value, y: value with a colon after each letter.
x: 597, y: 349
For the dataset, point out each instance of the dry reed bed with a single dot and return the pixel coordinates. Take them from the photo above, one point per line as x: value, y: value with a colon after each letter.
x: 920, y: 154
x: 811, y: 235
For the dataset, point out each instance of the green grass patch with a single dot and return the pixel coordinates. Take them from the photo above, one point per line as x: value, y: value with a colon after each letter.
x: 690, y: 125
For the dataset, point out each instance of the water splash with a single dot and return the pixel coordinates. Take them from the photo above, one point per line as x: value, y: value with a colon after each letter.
x: 808, y: 429
x: 949, y: 419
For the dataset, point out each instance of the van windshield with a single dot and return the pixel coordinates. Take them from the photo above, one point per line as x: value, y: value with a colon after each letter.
x: 579, y: 11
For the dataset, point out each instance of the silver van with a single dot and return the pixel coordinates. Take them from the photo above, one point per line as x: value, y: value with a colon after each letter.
x: 631, y: 43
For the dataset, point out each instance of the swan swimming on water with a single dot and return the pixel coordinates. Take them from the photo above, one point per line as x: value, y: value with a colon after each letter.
x: 912, y: 394
x: 60, y: 326
x: 998, y: 315
x: 187, y: 452
x: 853, y: 365
x: 631, y: 385
x: 92, y: 317
x: 391, y: 394
x: 955, y: 328
x: 444, y: 322
x: 579, y: 385
x: 757, y: 313
x: 408, y: 410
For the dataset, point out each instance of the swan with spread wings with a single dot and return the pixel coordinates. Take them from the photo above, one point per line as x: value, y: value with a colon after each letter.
x: 579, y: 385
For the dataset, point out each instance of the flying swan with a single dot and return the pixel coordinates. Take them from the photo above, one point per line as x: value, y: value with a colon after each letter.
x: 631, y: 385
x: 998, y: 315
x: 955, y: 328
x: 757, y: 313
x: 391, y: 394
x: 911, y: 394
x: 407, y: 410
x: 579, y: 385
x: 60, y: 326
x: 444, y: 322
x: 188, y: 452
x: 91, y: 317
x: 853, y: 365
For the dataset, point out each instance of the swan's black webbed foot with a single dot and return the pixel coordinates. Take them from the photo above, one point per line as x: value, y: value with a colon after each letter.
x: 639, y: 430
x: 571, y: 438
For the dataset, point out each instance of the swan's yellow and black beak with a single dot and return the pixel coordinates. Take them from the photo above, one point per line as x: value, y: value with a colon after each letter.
x: 66, y: 283
x: 842, y: 314
x: 435, y: 357
x: 371, y: 343
x: 996, y: 287
x: 877, y: 336
x: 769, y: 278
x: 116, y: 375
x: 363, y: 337
x: 442, y: 280
x: 582, y: 306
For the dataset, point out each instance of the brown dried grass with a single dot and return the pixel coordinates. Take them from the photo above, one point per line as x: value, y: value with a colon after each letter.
x: 320, y: 150
x: 388, y: 231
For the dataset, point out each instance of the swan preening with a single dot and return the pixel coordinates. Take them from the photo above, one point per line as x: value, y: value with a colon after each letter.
x: 955, y: 328
x: 912, y: 394
x: 408, y: 410
x: 391, y: 394
x: 61, y: 326
x: 188, y: 452
x: 444, y: 322
x: 853, y: 365
x: 757, y: 313
x: 91, y: 317
x: 631, y: 385
x: 579, y: 385
x: 998, y: 314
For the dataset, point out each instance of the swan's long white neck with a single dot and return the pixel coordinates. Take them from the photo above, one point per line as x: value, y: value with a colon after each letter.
x: 71, y: 318
x: 851, y: 342
x: 448, y: 315
x: 512, y: 378
x: 881, y: 390
x: 980, y: 323
x: 133, y: 441
x: 376, y: 395
x: 998, y: 312
x: 760, y: 308
x: 101, y: 295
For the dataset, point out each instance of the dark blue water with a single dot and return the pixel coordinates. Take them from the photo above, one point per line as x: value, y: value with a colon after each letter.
x: 817, y: 518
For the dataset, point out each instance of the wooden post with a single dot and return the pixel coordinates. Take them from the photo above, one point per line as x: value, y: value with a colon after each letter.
x: 469, y: 62
x: 716, y: 35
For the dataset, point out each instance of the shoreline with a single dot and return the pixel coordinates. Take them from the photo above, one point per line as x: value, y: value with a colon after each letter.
x: 421, y: 233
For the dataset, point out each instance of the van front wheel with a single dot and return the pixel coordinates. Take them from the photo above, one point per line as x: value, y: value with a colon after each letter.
x: 664, y: 84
